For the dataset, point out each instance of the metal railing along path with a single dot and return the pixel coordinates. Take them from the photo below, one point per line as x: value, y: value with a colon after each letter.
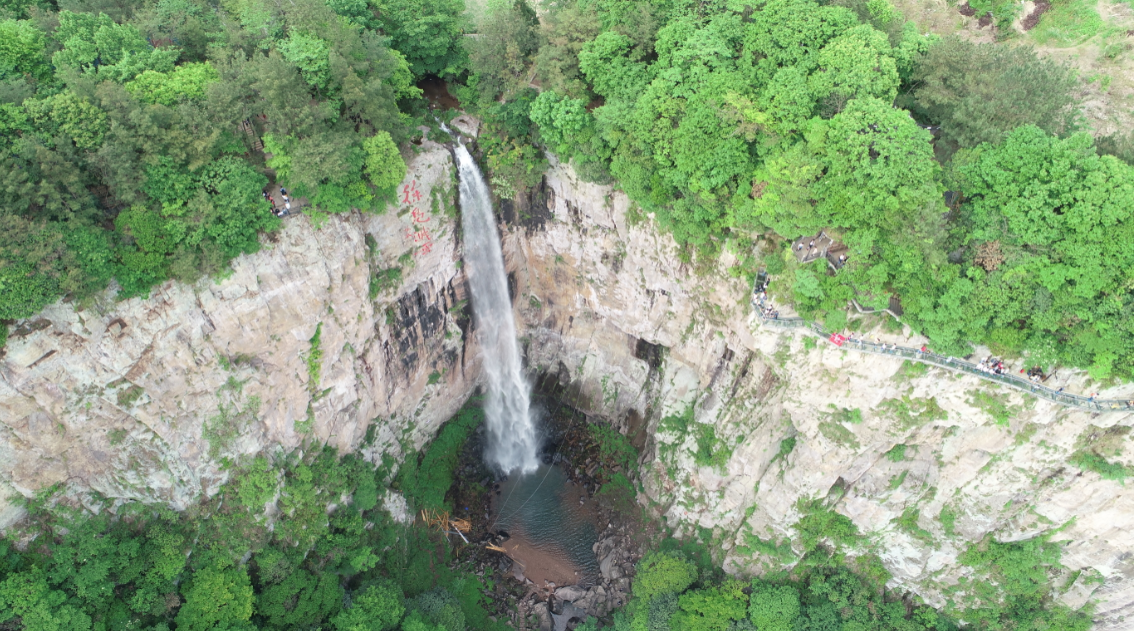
x: 955, y: 364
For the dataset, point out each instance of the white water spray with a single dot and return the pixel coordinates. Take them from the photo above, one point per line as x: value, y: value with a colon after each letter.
x: 512, y: 442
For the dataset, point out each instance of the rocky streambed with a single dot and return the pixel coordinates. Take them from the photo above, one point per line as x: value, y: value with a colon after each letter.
x: 561, y: 544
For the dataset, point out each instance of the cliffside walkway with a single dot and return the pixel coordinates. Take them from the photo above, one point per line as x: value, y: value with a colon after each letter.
x: 955, y: 364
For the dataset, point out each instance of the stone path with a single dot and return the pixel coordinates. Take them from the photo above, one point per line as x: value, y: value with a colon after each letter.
x: 956, y: 364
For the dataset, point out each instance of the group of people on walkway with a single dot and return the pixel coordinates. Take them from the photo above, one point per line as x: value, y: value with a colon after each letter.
x: 991, y: 365
x: 760, y: 297
x: 279, y: 210
x: 1035, y: 374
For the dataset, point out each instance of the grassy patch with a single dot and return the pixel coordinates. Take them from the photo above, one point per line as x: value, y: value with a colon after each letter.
x: 1089, y: 461
x: 948, y: 519
x: 1025, y: 434
x: 116, y: 436
x: 909, y: 412
x: 779, y: 551
x: 820, y: 523
x: 786, y: 447
x: 910, y: 370
x: 129, y: 396
x: 222, y: 430
x: 835, y: 432
x: 711, y: 451
x: 1068, y: 23
x: 846, y: 415
x: 614, y: 447
x: 315, y: 359
x: 897, y: 453
x: 385, y: 280
x: 899, y: 480
x: 993, y: 404
x: 1096, y: 445
x: 907, y: 523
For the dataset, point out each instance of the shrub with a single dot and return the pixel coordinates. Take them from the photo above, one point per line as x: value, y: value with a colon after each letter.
x: 257, y: 485
x: 820, y: 523
x: 773, y: 607
x: 661, y: 573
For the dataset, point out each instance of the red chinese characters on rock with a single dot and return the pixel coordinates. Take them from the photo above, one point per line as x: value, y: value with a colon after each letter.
x: 410, y: 194
x: 419, y: 233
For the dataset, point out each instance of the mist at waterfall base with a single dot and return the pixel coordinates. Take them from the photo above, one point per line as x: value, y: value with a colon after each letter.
x: 512, y: 439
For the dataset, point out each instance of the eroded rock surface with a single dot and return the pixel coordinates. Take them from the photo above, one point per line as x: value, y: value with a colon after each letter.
x: 609, y: 305
x: 143, y: 399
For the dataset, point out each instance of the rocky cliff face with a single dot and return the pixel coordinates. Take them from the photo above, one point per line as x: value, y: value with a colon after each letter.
x: 923, y: 460
x: 145, y: 399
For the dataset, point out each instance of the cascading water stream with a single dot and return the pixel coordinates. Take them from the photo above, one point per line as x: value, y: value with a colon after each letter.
x: 512, y: 442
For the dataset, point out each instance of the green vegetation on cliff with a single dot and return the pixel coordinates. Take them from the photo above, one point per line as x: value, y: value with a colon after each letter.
x: 731, y: 120
x: 276, y: 548
x: 124, y: 151
x: 676, y: 588
x: 129, y: 132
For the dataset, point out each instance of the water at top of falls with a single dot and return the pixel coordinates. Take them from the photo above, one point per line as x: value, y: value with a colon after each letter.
x: 512, y: 440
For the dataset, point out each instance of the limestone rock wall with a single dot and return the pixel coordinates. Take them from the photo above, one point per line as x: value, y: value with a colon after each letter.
x: 144, y: 398
x: 609, y: 306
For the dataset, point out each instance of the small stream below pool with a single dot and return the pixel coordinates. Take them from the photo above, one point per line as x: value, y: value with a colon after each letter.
x: 552, y: 533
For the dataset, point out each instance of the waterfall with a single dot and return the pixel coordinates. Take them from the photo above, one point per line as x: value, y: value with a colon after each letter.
x: 512, y: 442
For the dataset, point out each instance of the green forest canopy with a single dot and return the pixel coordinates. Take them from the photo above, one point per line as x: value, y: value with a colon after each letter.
x: 278, y: 548
x: 121, y: 154
x: 734, y: 120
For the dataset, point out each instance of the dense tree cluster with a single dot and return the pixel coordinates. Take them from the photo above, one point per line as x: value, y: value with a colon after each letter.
x: 677, y: 588
x: 121, y: 150
x: 276, y: 549
x: 303, y: 542
x: 731, y: 121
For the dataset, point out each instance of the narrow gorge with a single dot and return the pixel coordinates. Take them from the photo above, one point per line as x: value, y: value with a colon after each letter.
x: 358, y: 333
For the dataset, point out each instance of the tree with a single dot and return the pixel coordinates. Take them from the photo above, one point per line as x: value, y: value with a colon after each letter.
x: 96, y: 44
x: 663, y: 572
x: 440, y: 609
x: 384, y: 164
x: 22, y: 51
x: 507, y: 39
x: 1061, y: 214
x: 186, y: 82
x: 300, y: 600
x: 217, y: 595
x: 376, y: 608
x: 773, y: 607
x: 563, y: 122
x: 868, y: 169
x: 858, y: 63
x: 975, y: 91
x: 713, y: 609
x: 309, y: 54
x: 26, y: 595
x: 427, y: 32
x: 790, y: 33
x: 68, y: 114
x: 567, y: 28
x: 607, y: 64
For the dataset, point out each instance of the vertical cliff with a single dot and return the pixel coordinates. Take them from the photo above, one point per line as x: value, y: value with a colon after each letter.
x: 740, y: 423
x: 321, y: 336
x: 361, y: 328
